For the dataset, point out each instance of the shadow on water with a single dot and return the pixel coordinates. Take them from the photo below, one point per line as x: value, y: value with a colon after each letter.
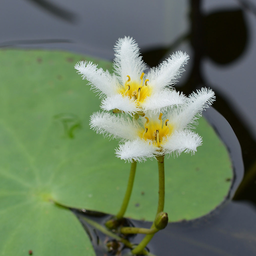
x: 56, y: 10
x: 228, y: 231
x: 223, y: 46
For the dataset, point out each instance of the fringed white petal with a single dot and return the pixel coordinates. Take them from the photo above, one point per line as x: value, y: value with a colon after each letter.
x: 113, y: 126
x: 192, y: 109
x: 163, y: 99
x: 168, y: 71
x: 138, y: 150
x: 100, y: 80
x: 128, y: 60
x: 182, y: 141
x: 119, y: 102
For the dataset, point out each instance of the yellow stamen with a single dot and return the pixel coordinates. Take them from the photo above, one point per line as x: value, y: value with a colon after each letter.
x: 157, y: 138
x: 160, y: 118
x: 155, y: 131
x: 135, y: 90
x: 138, y: 98
x: 146, y: 130
x: 141, y: 78
x: 134, y: 95
x: 128, y: 88
x: 146, y: 82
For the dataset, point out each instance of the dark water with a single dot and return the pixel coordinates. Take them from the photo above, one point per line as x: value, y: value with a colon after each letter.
x: 219, y: 35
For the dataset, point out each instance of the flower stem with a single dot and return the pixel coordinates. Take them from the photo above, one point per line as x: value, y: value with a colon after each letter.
x: 127, y: 196
x: 160, y: 208
x: 143, y: 243
x: 134, y: 230
x: 161, y: 191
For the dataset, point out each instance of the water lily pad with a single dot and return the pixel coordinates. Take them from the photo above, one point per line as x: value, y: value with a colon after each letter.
x: 49, y: 154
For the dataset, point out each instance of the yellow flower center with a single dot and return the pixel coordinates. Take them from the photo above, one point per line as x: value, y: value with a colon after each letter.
x: 136, y: 91
x: 156, y: 131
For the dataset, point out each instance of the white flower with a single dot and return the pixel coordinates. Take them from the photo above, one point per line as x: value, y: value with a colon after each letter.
x: 129, y: 89
x: 154, y: 134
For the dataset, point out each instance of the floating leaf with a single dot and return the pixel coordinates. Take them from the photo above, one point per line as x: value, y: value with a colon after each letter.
x: 49, y: 154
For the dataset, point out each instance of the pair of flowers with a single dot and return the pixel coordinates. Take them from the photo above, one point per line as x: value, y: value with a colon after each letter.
x: 149, y: 116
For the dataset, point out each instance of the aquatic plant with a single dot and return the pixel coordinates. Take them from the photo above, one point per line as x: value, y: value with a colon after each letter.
x: 154, y: 120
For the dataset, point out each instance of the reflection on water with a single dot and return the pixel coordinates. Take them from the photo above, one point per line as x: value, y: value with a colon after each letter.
x: 219, y: 35
x: 215, y: 234
x: 56, y: 10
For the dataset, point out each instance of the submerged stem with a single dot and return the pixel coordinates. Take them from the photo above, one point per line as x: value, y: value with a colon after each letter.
x: 160, y: 208
x: 110, y: 234
x: 128, y: 193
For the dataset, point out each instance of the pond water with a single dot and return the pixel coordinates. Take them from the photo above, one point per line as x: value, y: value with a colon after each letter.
x: 220, y: 37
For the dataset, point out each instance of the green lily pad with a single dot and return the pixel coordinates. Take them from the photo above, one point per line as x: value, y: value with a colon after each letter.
x: 49, y: 154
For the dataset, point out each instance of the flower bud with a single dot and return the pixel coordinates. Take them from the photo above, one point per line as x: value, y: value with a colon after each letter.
x: 161, y: 220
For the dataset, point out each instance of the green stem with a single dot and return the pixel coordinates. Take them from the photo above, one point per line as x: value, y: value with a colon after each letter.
x: 161, y: 192
x: 143, y: 243
x: 134, y: 230
x: 127, y: 196
x: 160, y: 208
